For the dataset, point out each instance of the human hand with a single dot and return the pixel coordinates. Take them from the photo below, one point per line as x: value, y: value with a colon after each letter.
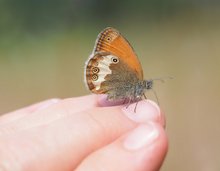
x: 78, y: 134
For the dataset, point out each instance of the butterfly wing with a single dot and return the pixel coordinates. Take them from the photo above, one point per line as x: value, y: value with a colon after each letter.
x: 110, y: 40
x: 113, y: 67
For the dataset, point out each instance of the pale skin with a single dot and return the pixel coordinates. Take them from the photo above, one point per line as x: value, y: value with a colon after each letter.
x: 83, y: 134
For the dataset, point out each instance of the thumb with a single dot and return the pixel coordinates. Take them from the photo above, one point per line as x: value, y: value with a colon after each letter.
x: 142, y: 149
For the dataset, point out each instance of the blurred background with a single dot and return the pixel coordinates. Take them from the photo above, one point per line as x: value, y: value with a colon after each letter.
x: 44, y: 45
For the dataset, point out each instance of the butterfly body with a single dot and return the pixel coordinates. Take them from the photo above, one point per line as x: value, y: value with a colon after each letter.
x: 114, y: 69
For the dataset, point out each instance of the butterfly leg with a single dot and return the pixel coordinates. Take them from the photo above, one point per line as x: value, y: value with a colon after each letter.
x: 129, y: 102
x: 145, y: 96
x: 135, y: 108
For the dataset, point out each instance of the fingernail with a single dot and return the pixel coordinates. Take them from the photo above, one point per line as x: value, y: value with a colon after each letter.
x: 142, y: 136
x: 103, y: 101
x: 48, y: 103
x: 146, y: 111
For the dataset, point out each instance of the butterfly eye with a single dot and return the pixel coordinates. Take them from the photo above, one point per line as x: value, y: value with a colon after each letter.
x: 109, y: 38
x: 95, y: 70
x: 115, y: 60
x: 95, y: 77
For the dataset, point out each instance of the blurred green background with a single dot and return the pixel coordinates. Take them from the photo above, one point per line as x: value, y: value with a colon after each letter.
x: 44, y: 45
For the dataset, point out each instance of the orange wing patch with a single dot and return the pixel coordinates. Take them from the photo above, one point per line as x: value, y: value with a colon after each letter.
x: 110, y: 40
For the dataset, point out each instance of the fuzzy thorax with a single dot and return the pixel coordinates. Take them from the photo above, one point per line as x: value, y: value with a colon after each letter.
x: 140, y: 87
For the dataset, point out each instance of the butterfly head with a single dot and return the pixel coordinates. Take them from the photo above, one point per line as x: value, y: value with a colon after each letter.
x: 148, y: 84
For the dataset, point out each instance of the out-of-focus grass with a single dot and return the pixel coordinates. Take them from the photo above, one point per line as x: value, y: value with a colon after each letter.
x: 34, y: 68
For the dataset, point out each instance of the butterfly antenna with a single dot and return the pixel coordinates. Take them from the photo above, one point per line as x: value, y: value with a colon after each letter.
x: 162, y: 79
x: 155, y: 94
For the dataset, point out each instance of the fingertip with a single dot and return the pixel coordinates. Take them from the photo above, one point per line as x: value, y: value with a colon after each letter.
x: 154, y: 104
x: 148, y: 143
x: 140, y: 112
x: 162, y: 118
x: 144, y: 111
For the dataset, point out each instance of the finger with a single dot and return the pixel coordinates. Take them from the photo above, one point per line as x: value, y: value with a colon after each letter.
x: 130, y: 109
x: 45, y: 112
x: 6, y: 118
x: 142, y: 149
x: 64, y: 142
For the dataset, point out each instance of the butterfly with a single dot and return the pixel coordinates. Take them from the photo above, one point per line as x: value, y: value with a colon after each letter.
x: 113, y: 68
